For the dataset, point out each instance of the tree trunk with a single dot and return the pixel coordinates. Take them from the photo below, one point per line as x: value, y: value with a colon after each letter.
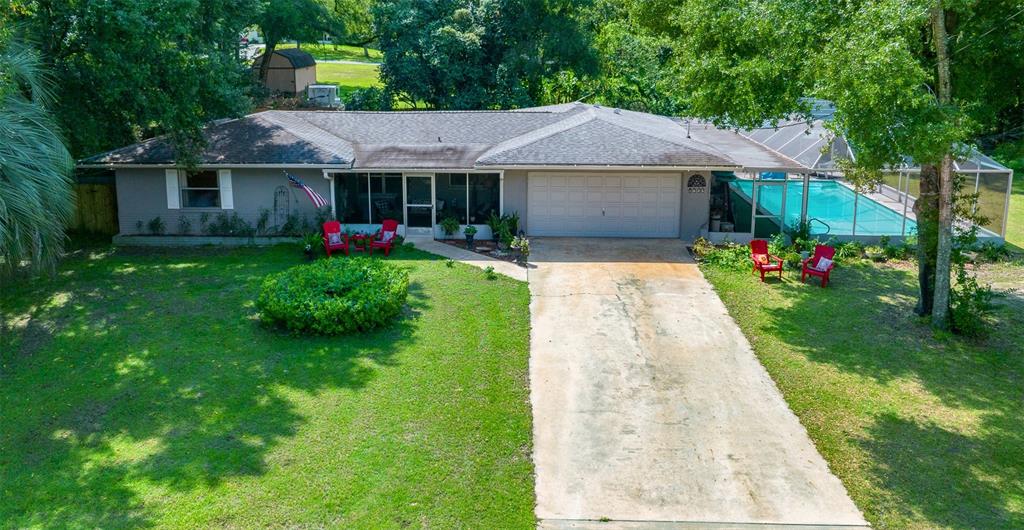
x: 268, y: 52
x: 940, y: 309
x: 926, y: 210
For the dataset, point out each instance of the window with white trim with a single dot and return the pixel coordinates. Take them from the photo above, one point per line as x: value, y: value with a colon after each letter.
x: 199, y: 189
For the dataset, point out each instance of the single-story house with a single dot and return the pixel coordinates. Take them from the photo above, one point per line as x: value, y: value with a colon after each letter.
x: 567, y: 170
x: 291, y: 70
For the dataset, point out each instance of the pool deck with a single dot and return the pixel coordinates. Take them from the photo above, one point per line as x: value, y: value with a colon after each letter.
x: 884, y: 200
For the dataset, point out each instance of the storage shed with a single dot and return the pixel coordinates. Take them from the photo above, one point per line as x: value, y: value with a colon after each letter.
x: 291, y: 70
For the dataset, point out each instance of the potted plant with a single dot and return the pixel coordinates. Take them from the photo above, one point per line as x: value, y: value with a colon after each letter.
x: 469, y: 232
x: 309, y: 244
x: 522, y: 247
x: 503, y: 238
x: 449, y: 225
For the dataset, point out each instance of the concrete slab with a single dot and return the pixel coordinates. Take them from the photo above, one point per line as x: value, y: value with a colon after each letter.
x: 649, y: 406
x: 462, y: 255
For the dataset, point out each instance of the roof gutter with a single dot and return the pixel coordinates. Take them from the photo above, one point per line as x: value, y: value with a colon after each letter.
x: 214, y: 166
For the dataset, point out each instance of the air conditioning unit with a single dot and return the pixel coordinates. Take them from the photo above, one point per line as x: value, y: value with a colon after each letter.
x: 323, y: 96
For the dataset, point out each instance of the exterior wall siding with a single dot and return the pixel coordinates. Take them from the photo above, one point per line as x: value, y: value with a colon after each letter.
x: 695, y: 210
x: 515, y: 195
x: 142, y: 195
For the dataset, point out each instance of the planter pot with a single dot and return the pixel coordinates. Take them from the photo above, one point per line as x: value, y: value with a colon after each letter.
x: 309, y: 254
x: 469, y: 242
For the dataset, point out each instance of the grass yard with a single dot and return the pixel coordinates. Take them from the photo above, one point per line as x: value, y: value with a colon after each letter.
x: 138, y: 390
x: 348, y: 77
x: 924, y: 432
x: 330, y: 52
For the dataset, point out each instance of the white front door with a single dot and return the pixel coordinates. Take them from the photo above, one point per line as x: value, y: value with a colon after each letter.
x: 419, y: 205
x: 599, y: 205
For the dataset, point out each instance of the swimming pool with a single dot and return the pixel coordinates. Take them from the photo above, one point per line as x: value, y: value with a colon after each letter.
x: 829, y: 202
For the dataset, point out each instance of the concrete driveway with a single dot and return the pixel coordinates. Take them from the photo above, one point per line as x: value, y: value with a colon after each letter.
x: 649, y: 406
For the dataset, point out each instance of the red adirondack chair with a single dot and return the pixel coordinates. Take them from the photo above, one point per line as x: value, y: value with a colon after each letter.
x: 763, y: 261
x: 385, y: 236
x: 812, y: 266
x: 334, y: 239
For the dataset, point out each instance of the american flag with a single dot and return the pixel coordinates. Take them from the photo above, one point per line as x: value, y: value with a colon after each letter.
x: 318, y: 200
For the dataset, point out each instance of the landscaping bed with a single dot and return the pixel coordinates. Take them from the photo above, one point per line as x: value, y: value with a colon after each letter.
x: 139, y: 389
x: 487, y: 248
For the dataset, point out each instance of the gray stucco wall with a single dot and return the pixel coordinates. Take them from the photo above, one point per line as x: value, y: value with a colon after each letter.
x: 142, y: 195
x: 695, y: 209
x: 515, y: 195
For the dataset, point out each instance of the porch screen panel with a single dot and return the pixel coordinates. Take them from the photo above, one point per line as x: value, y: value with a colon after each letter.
x: 386, y: 197
x: 484, y: 196
x: 450, y: 194
x: 992, y: 200
x: 351, y: 192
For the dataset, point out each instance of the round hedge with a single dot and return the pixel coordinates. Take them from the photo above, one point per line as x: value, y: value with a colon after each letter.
x: 334, y: 296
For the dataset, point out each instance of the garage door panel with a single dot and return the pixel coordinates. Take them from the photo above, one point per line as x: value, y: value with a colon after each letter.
x: 630, y: 205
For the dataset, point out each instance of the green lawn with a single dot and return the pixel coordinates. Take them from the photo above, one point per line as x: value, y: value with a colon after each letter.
x: 348, y: 77
x: 1015, y: 224
x: 138, y: 390
x: 334, y: 53
x: 924, y: 432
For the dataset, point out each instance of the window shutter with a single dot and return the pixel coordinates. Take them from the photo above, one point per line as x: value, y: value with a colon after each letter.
x: 227, y: 197
x: 173, y: 192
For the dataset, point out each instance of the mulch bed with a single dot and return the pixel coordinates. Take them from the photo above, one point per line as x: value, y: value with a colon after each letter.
x: 487, y: 248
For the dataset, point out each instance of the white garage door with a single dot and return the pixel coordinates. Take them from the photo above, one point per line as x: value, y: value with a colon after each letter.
x: 603, y: 205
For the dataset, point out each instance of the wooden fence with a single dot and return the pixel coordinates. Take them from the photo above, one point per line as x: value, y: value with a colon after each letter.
x: 95, y: 208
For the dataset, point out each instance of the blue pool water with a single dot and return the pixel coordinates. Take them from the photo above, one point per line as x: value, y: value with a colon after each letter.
x: 830, y: 202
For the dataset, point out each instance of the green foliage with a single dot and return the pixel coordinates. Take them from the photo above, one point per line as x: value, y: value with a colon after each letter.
x: 36, y: 197
x: 262, y: 221
x: 184, y: 225
x: 702, y: 247
x: 334, y: 296
x: 970, y: 305
x: 849, y: 250
x: 156, y: 226
x: 148, y: 67
x: 469, y: 231
x: 489, y: 273
x: 522, y: 245
x: 993, y: 252
x: 371, y: 98
x: 792, y: 259
x: 229, y: 225
x: 311, y: 241
x: 449, y: 263
x: 636, y: 70
x: 458, y: 54
x: 729, y: 256
x: 449, y: 225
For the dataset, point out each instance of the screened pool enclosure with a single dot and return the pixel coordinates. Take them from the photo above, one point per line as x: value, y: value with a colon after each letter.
x: 759, y: 204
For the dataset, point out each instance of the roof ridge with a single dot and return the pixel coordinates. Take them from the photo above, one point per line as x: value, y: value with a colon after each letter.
x: 536, y: 135
x: 317, y: 142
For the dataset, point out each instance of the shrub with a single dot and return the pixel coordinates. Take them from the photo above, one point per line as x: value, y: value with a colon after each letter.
x: 233, y: 225
x: 730, y: 256
x: 792, y: 259
x: 156, y: 226
x: 993, y: 252
x: 849, y: 250
x: 702, y: 247
x: 970, y: 305
x: 334, y: 296
x: 184, y: 225
x: 449, y: 225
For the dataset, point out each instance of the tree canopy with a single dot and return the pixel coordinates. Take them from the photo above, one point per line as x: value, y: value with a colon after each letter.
x: 914, y: 78
x: 475, y: 54
x: 128, y: 70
